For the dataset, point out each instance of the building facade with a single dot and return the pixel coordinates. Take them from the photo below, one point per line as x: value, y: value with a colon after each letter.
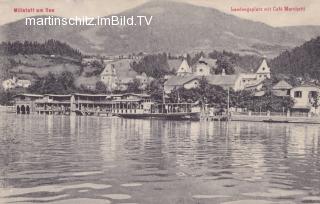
x: 304, y: 97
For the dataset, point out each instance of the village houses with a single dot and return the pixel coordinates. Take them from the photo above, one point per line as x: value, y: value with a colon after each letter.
x: 189, y: 77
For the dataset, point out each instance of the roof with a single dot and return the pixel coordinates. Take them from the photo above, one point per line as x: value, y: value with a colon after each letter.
x: 210, y: 62
x: 248, y: 75
x: 263, y: 68
x: 91, y: 95
x: 307, y: 85
x: 180, y: 80
x: 132, y: 94
x: 29, y: 95
x: 122, y: 68
x: 259, y: 93
x: 184, y: 67
x: 58, y: 95
x: 282, y: 84
x: 219, y: 80
x: 222, y: 80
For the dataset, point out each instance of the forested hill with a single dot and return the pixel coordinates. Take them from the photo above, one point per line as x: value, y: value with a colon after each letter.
x: 301, y: 61
x: 50, y: 47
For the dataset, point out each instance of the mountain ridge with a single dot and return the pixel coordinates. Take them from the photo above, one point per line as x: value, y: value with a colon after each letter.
x: 176, y: 28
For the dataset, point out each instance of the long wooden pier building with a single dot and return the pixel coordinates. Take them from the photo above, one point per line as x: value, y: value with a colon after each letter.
x: 81, y: 104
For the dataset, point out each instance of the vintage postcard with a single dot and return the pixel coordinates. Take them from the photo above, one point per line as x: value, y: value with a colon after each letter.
x: 159, y: 101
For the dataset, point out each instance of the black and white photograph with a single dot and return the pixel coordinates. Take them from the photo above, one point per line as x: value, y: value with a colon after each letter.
x: 159, y: 101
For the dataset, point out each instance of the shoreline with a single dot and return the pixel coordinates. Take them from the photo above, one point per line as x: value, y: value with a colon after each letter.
x: 242, y: 118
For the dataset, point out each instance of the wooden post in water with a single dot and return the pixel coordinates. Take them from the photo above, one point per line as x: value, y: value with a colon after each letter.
x: 228, y: 105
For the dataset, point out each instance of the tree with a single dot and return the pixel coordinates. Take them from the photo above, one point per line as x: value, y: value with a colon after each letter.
x: 134, y: 86
x: 314, y: 99
x: 155, y: 66
x: 67, y: 80
x: 155, y: 89
x: 54, y: 84
x: 223, y: 63
x: 6, y: 97
x: 101, y: 87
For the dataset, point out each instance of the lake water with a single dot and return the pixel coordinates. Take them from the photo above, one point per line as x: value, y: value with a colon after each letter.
x: 62, y: 160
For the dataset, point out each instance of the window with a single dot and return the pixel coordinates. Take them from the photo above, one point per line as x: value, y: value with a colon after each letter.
x: 313, y: 94
x: 288, y: 92
x: 263, y: 68
x: 200, y: 70
x: 298, y: 94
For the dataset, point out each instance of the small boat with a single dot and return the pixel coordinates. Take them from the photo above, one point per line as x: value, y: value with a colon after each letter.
x: 275, y: 121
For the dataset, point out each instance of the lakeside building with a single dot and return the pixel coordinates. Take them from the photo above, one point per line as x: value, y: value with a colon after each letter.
x: 80, y: 104
x: 26, y: 103
x: 305, y: 96
x: 189, y: 77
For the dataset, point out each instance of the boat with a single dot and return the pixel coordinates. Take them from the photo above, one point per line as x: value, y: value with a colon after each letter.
x: 168, y: 111
x: 275, y: 121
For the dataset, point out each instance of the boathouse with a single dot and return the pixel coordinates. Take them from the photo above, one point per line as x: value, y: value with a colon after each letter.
x: 53, y: 104
x: 26, y: 103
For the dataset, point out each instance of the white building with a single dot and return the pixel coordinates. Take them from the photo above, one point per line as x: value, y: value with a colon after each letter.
x: 14, y: 83
x: 109, y: 77
x: 303, y: 97
x: 8, y: 84
x: 23, y: 83
x: 118, y: 74
x: 204, y: 66
x: 263, y: 70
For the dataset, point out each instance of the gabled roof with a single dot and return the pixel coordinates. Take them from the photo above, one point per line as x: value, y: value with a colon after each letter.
x: 307, y: 84
x: 210, y: 62
x: 263, y: 68
x: 222, y: 80
x: 219, y: 80
x: 184, y: 67
x: 121, y: 68
x: 180, y: 80
x: 282, y: 84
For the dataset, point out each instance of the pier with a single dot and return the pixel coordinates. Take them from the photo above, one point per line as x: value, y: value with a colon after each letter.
x: 80, y: 104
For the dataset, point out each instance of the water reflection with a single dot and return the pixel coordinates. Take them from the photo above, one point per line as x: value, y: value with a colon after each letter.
x: 60, y: 159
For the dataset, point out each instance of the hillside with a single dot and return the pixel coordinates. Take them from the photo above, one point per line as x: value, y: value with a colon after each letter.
x: 176, y: 28
x: 305, y: 32
x: 301, y: 61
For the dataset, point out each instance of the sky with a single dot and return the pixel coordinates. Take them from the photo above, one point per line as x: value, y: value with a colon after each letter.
x: 71, y: 8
